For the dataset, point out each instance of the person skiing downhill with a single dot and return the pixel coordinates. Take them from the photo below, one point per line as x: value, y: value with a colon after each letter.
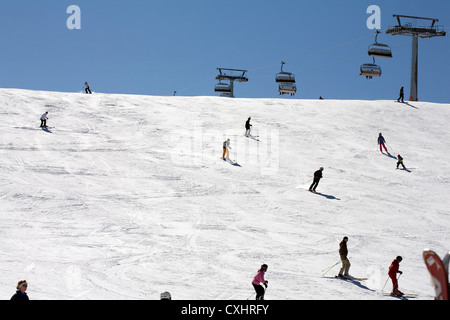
x: 400, y: 161
x: 226, y: 148
x: 393, y: 270
x: 259, y: 283
x: 316, y: 180
x: 343, y: 252
x: 382, y: 142
x: 402, y: 95
x: 86, y: 88
x: 248, y: 127
x: 44, y: 119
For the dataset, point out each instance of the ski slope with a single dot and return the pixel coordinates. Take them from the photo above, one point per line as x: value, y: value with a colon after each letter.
x: 126, y: 196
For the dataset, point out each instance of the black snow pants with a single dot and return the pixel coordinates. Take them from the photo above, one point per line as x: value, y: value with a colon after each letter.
x: 259, y: 291
x: 314, y: 185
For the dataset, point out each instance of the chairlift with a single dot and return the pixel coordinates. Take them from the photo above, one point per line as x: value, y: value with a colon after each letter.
x: 370, y: 70
x: 379, y: 49
x: 222, y: 88
x: 285, y: 77
x: 287, y: 89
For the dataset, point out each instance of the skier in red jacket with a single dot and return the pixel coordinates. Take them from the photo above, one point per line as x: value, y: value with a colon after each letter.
x: 393, y: 270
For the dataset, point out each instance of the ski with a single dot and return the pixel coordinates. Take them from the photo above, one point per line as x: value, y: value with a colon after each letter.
x: 357, y: 279
x: 406, y: 295
x: 252, y: 137
x: 232, y: 162
x: 346, y: 278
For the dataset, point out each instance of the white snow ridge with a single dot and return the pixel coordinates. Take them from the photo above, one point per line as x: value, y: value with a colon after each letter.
x: 126, y: 196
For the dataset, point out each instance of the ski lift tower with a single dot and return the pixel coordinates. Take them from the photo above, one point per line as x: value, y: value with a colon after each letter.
x: 231, y: 75
x: 409, y: 29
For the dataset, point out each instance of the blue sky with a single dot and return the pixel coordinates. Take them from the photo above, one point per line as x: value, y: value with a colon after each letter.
x: 156, y: 47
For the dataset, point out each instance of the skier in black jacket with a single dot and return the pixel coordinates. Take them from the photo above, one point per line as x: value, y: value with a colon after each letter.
x: 20, y: 294
x: 402, y: 95
x: 248, y: 127
x: 317, y: 177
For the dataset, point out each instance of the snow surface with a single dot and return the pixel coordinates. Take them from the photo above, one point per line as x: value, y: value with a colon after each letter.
x: 127, y: 197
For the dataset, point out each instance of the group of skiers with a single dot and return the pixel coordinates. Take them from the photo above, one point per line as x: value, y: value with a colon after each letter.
x: 382, y: 144
x: 392, y: 273
x: 44, y: 117
x: 226, y: 144
x: 260, y: 284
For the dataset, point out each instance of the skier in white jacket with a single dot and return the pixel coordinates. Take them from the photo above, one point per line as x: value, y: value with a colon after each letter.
x: 226, y: 152
x: 86, y: 88
x: 44, y: 119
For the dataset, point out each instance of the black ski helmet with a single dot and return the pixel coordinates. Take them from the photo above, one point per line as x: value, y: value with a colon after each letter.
x: 399, y: 258
x: 264, y: 267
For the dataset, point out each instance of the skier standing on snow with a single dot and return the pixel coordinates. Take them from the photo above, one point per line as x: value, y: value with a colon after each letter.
x: 44, y: 119
x: 86, y: 88
x: 317, y: 177
x: 400, y: 161
x: 226, y: 152
x: 343, y: 252
x: 402, y: 95
x: 382, y: 142
x: 259, y: 283
x: 248, y: 127
x: 393, y: 270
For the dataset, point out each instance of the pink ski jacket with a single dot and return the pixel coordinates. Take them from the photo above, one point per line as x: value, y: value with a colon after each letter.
x: 259, y: 277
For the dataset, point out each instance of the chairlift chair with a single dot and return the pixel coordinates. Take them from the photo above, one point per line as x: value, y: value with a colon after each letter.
x: 222, y: 88
x: 370, y: 70
x: 379, y: 49
x: 287, y: 89
x: 285, y: 77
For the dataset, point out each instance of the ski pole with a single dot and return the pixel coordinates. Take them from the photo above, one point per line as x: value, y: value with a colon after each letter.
x: 385, y: 284
x: 251, y: 296
x: 392, y: 149
x: 328, y: 270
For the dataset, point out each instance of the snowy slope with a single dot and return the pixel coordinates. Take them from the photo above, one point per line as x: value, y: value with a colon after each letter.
x: 127, y: 197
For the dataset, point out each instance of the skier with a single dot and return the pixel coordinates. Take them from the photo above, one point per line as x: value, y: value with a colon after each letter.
x: 248, y: 127
x: 226, y: 149
x: 86, y: 88
x: 343, y: 252
x: 393, y: 270
x: 400, y: 161
x: 20, y: 294
x: 259, y: 283
x: 382, y: 142
x: 402, y: 95
x: 44, y: 119
x: 317, y: 177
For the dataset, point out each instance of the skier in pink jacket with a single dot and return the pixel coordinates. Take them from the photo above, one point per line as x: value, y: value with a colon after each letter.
x: 259, y: 283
